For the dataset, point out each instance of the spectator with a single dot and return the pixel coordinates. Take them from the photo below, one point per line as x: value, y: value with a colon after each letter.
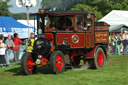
x: 2, y: 51
x: 118, y: 38
x: 16, y: 49
x: 125, y: 42
x: 114, y: 44
x: 10, y: 44
x: 121, y: 45
x: 110, y: 43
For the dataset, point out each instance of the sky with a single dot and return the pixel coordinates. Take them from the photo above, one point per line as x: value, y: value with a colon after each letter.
x: 15, y: 9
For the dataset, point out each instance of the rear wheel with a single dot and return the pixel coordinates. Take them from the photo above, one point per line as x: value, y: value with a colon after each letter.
x: 28, y: 64
x: 57, y: 62
x: 99, y: 59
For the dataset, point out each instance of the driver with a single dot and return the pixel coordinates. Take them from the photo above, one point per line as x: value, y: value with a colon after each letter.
x: 30, y: 42
x: 81, y: 27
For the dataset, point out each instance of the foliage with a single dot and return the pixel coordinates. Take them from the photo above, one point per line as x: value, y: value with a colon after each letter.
x: 90, y: 9
x: 124, y: 5
x: 101, y: 7
x: 4, y: 8
x: 20, y: 16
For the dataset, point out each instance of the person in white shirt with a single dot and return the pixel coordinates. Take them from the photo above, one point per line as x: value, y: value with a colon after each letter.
x: 125, y: 42
x: 2, y: 51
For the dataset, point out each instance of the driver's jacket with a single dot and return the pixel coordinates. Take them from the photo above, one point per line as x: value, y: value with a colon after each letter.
x: 29, y: 44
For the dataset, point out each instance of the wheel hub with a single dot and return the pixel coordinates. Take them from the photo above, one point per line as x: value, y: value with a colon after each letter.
x: 38, y: 61
x: 59, y: 62
x: 100, y: 58
x: 29, y: 63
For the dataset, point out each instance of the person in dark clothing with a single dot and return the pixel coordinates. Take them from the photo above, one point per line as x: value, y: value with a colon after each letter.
x: 125, y: 42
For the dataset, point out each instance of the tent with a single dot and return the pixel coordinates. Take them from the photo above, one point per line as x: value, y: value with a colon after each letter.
x: 32, y: 23
x: 8, y: 25
x: 117, y: 19
x: 118, y: 28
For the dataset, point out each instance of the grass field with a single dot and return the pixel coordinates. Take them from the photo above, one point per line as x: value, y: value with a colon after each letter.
x: 115, y: 72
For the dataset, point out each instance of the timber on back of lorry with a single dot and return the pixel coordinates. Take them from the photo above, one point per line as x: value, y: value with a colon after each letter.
x: 67, y: 38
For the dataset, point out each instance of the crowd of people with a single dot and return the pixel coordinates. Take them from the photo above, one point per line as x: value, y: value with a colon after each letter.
x: 9, y: 47
x: 118, y: 42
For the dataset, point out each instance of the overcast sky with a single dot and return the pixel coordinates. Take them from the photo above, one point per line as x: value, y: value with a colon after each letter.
x: 15, y: 9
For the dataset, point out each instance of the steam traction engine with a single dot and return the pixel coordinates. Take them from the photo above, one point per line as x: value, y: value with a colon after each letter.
x: 62, y: 42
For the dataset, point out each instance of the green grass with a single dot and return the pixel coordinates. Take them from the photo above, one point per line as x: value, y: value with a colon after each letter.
x: 115, y: 72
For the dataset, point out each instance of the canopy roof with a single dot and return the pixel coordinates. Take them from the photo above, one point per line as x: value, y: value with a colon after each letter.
x: 8, y: 25
x: 116, y: 17
x: 118, y: 28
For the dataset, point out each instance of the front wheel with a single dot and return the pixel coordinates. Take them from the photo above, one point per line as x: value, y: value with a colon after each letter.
x: 99, y: 59
x: 28, y: 64
x: 57, y: 62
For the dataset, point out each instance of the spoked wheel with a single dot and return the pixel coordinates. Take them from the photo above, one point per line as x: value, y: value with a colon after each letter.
x: 57, y: 62
x: 28, y: 64
x: 99, y: 59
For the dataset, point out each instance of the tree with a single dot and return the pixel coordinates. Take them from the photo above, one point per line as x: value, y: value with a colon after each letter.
x: 101, y: 7
x: 4, y: 8
x: 20, y: 16
x: 125, y: 5
x: 84, y: 7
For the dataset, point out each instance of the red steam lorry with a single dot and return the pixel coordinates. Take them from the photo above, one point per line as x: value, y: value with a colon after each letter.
x: 67, y: 38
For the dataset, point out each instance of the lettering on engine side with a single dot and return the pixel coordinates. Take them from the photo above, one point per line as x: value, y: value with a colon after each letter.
x: 101, y: 37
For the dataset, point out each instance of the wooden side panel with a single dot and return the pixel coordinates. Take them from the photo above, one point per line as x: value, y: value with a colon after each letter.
x: 88, y: 40
x: 100, y: 28
x: 76, y: 40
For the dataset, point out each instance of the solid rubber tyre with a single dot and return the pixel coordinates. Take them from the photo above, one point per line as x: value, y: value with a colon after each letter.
x: 57, y: 62
x: 99, y: 59
x: 26, y: 66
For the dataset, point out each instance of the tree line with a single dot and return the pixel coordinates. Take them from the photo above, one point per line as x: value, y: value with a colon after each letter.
x: 98, y: 7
